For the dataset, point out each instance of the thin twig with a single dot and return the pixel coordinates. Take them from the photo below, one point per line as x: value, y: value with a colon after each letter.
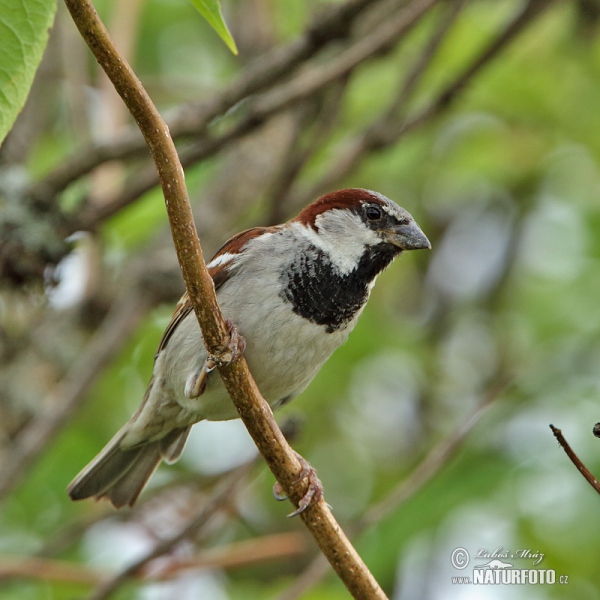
x: 230, y: 556
x: 253, y: 409
x: 430, y: 49
x: 48, y: 570
x: 356, y: 148
x: 313, y: 79
x: 390, y: 128
x: 67, y: 396
x: 587, y: 474
x: 439, y: 456
x: 191, y: 120
x: 298, y: 155
x: 226, y: 490
x: 238, y: 554
x: 532, y: 9
x: 304, y: 85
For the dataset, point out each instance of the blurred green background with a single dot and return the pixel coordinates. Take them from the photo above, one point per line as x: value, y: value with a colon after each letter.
x: 505, y: 181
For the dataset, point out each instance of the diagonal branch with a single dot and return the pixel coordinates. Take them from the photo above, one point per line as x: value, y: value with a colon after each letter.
x: 303, y: 86
x: 587, y: 474
x: 254, y: 411
x: 331, y: 26
x: 230, y: 556
x: 68, y: 394
x: 389, y: 128
x: 438, y: 457
x: 226, y: 489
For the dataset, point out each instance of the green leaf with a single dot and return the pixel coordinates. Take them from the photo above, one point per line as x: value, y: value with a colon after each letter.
x: 211, y: 11
x: 24, y: 29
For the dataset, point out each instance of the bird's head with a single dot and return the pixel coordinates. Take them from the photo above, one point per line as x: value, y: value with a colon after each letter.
x: 348, y: 223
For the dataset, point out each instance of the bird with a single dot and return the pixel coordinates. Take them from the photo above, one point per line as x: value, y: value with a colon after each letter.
x: 294, y: 292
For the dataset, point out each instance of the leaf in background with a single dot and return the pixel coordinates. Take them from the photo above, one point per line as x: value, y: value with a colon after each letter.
x: 211, y: 11
x: 24, y: 33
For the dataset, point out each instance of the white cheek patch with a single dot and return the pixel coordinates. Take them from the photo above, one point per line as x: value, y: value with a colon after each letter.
x: 342, y: 235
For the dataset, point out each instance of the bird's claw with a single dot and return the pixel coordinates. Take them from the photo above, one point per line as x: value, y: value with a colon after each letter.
x: 278, y: 492
x: 235, y: 346
x: 313, y: 494
x: 237, y: 342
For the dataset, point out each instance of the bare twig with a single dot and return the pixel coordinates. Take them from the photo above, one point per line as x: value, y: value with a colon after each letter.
x: 254, y: 411
x: 226, y: 489
x: 531, y: 10
x: 329, y: 26
x: 389, y: 128
x: 231, y: 556
x: 68, y: 394
x: 587, y: 474
x: 298, y: 155
x: 311, y: 80
x: 416, y: 72
x: 235, y: 555
x: 192, y: 120
x: 262, y: 108
x: 439, y: 456
x: 48, y: 570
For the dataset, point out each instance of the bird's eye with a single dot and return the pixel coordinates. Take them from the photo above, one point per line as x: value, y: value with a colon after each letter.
x: 373, y: 213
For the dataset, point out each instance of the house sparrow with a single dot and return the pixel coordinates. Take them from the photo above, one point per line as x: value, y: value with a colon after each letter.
x: 295, y: 292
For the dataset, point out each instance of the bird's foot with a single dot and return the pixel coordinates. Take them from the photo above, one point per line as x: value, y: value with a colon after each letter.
x: 237, y: 342
x: 313, y: 494
x: 234, y: 349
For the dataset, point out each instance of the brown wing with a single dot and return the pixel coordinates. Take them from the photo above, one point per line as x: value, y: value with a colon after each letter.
x: 220, y: 273
x: 235, y: 244
x: 182, y: 310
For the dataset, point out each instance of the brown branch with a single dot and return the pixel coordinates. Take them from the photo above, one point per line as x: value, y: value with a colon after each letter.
x: 68, y: 394
x: 531, y: 10
x: 170, y: 173
x: 323, y: 119
x: 225, y: 490
x: 587, y: 474
x: 331, y: 25
x: 439, y: 456
x: 47, y: 569
x: 223, y: 494
x: 191, y: 120
x: 65, y: 538
x: 390, y: 128
x: 259, y: 110
x: 253, y: 409
x: 430, y: 49
x: 311, y: 80
x: 230, y: 556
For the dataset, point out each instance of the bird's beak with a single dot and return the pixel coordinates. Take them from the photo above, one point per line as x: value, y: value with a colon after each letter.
x: 407, y: 237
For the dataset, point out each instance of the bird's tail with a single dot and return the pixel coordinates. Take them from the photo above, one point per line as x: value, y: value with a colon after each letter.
x: 121, y: 474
